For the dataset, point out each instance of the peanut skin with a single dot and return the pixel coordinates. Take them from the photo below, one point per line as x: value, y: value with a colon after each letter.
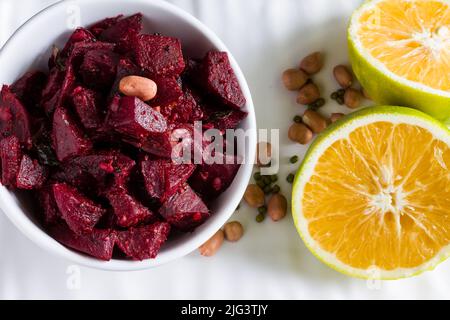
x: 277, y: 207
x: 210, y: 247
x: 254, y: 196
x: 300, y: 133
x: 308, y: 94
x: 312, y: 63
x: 233, y: 231
x: 315, y: 121
x: 343, y: 76
x: 294, y: 79
x: 140, y: 87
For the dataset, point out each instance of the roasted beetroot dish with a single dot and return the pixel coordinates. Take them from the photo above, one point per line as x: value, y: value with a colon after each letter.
x: 92, y: 139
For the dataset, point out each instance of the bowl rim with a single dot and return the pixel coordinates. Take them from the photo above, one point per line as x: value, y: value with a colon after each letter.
x: 45, y: 241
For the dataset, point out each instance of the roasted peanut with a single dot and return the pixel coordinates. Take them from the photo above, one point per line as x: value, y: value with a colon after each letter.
x: 343, y: 76
x: 336, y: 116
x: 140, y: 87
x: 312, y: 63
x: 233, y: 231
x: 263, y: 154
x: 300, y: 133
x: 294, y: 79
x: 277, y: 207
x: 353, y: 98
x: 254, y: 196
x: 210, y: 247
x: 315, y: 121
x: 308, y: 94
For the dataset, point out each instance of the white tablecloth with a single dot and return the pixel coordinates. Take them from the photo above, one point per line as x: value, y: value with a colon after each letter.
x: 270, y: 262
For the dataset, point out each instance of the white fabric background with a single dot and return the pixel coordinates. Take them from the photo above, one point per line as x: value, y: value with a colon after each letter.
x: 270, y: 262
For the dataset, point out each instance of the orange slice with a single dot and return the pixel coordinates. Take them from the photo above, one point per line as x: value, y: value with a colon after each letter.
x: 372, y: 197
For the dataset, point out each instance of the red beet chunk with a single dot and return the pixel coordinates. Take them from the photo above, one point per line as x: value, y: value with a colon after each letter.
x: 136, y: 119
x: 14, y: 118
x: 124, y: 32
x: 210, y: 180
x: 79, y: 35
x: 48, y: 205
x: 11, y: 155
x: 68, y: 139
x: 59, y: 85
x: 99, y: 243
x: 159, y: 55
x: 98, y: 69
x: 80, y: 213
x: 162, y: 178
x: 168, y: 94
x: 144, y: 242
x: 28, y: 88
x: 223, y: 119
x: 31, y: 174
x: 86, y: 103
x: 97, y: 28
x: 185, y: 210
x: 186, y: 110
x: 220, y: 80
x: 129, y: 211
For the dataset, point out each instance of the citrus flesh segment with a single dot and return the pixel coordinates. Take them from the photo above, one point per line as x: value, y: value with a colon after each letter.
x: 377, y: 197
x: 411, y: 38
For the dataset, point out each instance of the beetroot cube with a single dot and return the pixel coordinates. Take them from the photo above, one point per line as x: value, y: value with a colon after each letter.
x: 80, y: 213
x: 59, y: 85
x: 136, y: 119
x: 48, y: 205
x: 50, y: 93
x: 210, y: 180
x: 95, y: 173
x: 97, y: 28
x: 98, y: 243
x: 162, y: 177
x: 98, y: 69
x: 223, y: 119
x: 11, y: 155
x: 185, y: 210
x: 86, y: 103
x: 144, y: 242
x: 220, y: 80
x: 79, y: 35
x: 68, y: 139
x: 128, y: 210
x: 31, y: 174
x: 28, y: 88
x: 186, y: 110
x: 124, y: 32
x: 168, y: 94
x: 159, y: 55
x: 14, y: 118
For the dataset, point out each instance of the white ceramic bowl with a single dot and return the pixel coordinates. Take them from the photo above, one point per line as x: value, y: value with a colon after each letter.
x: 29, y: 48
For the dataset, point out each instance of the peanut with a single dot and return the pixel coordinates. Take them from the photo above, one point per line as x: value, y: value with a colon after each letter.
x: 233, y: 231
x: 140, y: 87
x: 315, y: 121
x: 353, y: 98
x: 294, y: 79
x: 312, y: 63
x: 263, y: 154
x: 336, y: 116
x: 254, y: 196
x: 210, y: 247
x: 343, y: 76
x: 300, y: 133
x: 308, y: 94
x: 277, y: 207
